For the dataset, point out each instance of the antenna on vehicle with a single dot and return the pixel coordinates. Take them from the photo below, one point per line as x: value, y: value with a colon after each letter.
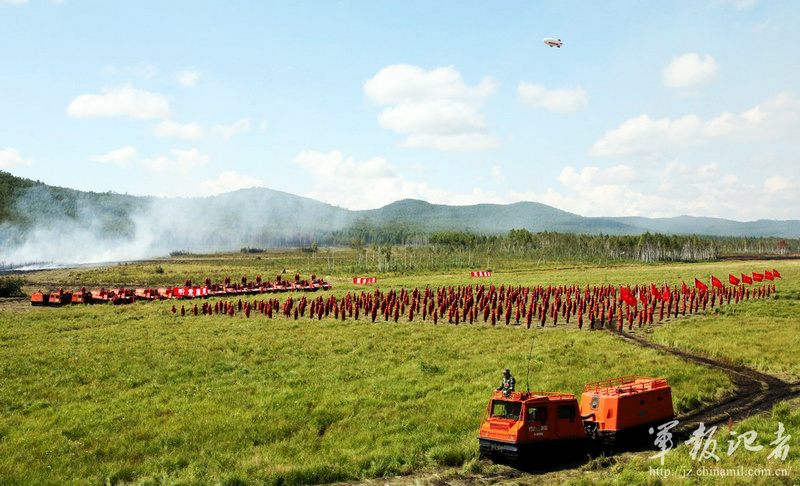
x: 528, y: 373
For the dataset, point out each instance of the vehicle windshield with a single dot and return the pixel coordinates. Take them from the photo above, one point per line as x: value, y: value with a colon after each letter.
x: 506, y: 410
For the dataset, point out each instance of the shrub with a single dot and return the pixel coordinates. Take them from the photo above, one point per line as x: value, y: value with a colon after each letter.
x: 11, y: 287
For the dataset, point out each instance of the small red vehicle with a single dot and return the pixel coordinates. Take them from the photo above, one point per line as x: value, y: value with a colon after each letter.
x: 40, y: 298
x: 54, y: 298
x: 59, y: 297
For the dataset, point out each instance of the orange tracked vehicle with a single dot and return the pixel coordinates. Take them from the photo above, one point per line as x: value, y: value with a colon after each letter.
x: 626, y: 405
x: 59, y: 297
x: 54, y: 298
x: 518, y: 425
x: 39, y: 298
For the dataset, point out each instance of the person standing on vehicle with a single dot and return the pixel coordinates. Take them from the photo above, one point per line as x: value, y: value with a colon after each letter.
x: 509, y: 383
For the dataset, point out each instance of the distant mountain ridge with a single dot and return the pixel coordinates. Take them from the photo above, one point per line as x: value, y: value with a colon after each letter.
x: 715, y: 226
x: 35, y: 216
x: 494, y: 218
x: 535, y: 217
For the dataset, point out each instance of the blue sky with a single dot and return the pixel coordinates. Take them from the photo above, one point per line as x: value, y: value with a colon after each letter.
x: 649, y: 109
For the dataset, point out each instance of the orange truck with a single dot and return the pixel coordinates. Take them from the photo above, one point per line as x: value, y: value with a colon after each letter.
x: 520, y: 423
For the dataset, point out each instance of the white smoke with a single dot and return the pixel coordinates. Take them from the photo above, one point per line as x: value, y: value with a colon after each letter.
x: 94, y: 231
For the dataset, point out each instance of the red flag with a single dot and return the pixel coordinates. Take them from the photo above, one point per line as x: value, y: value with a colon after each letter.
x: 665, y: 296
x: 746, y: 279
x: 700, y: 285
x: 768, y: 275
x: 733, y: 280
x: 775, y: 272
x: 683, y: 287
x: 715, y: 282
x: 758, y: 277
x: 654, y: 291
x: 627, y: 296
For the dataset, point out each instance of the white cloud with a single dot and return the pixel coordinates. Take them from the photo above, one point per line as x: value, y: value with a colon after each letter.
x: 122, y: 101
x: 405, y: 83
x: 226, y: 182
x: 121, y: 157
x: 783, y: 190
x: 590, y: 177
x: 187, y: 78
x: 435, y: 108
x: 642, y: 135
x: 497, y: 175
x: 188, y: 131
x: 264, y: 125
x: 462, y: 142
x: 11, y: 158
x: 333, y: 165
x: 679, y: 188
x: 439, y: 117
x: 622, y: 190
x: 228, y: 131
x: 556, y: 100
x: 182, y: 160
x: 343, y: 181
x: 689, y: 70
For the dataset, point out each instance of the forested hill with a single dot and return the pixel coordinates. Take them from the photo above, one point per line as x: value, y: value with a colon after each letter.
x: 26, y: 205
x: 38, y: 219
x: 714, y: 226
x: 494, y: 218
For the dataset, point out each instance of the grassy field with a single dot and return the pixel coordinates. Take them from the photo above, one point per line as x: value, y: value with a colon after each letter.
x: 763, y: 335
x: 713, y: 463
x: 133, y: 394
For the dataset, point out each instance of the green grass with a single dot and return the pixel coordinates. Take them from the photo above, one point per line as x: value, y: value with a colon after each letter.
x: 133, y: 394
x: 740, y: 467
x: 507, y: 269
x: 760, y: 334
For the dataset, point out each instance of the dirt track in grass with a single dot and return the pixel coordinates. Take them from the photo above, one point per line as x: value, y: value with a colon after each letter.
x: 754, y: 393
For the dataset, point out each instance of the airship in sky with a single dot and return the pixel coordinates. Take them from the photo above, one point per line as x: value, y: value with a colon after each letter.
x: 552, y: 42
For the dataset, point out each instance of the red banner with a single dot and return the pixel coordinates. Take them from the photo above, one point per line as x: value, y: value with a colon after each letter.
x: 189, y: 292
x: 481, y: 274
x: 776, y: 274
x: 768, y: 275
x: 654, y: 291
x: 700, y: 285
x: 746, y: 279
x: 716, y: 282
x: 758, y: 277
x: 627, y: 296
x: 364, y: 280
x: 733, y: 280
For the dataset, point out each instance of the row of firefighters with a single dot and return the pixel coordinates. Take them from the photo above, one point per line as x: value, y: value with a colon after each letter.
x: 598, y: 306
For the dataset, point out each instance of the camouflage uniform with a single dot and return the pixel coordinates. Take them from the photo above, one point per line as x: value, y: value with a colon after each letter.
x: 508, y: 383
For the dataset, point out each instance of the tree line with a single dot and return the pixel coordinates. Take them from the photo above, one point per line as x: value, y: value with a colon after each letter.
x: 453, y: 249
